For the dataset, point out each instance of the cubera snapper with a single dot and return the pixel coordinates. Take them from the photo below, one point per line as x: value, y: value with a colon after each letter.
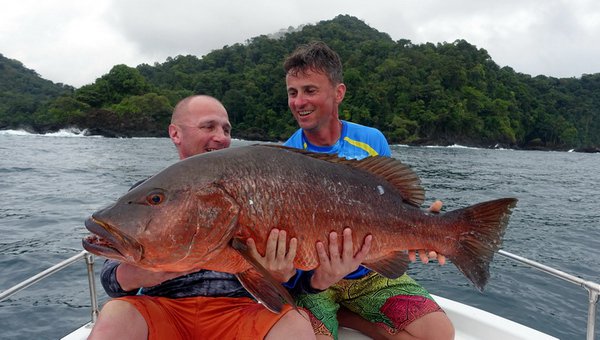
x: 199, y: 212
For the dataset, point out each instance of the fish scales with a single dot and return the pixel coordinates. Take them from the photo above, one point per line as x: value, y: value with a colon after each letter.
x: 309, y: 198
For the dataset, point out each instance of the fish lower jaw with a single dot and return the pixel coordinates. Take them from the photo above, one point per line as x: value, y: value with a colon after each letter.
x: 99, y: 246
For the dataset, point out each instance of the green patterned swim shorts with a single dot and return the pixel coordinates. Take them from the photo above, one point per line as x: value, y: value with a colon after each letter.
x: 389, y: 303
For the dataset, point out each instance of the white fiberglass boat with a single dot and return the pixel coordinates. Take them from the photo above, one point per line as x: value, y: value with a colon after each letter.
x: 470, y: 323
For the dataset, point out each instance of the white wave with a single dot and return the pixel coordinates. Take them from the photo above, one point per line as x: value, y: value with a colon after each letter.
x: 15, y: 132
x: 68, y: 132
x: 458, y: 146
x: 453, y: 146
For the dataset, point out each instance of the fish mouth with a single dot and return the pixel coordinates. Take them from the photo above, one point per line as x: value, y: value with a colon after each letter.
x: 109, y: 242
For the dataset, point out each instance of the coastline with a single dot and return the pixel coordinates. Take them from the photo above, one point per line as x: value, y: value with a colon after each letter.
x: 95, y: 133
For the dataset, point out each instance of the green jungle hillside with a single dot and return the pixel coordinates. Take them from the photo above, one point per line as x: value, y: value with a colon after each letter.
x: 444, y: 93
x: 23, y: 92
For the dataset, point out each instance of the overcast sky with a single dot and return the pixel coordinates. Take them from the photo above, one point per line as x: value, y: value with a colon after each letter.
x: 76, y: 41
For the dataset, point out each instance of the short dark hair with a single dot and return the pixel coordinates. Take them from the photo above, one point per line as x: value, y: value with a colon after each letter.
x: 315, y: 56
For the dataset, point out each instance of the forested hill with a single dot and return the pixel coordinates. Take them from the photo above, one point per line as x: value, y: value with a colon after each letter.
x: 444, y: 93
x: 22, y: 91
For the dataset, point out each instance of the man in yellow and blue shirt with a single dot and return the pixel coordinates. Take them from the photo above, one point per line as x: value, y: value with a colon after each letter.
x: 373, y: 304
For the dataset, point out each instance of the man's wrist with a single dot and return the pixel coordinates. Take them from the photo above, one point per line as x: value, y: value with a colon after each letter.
x: 317, y: 284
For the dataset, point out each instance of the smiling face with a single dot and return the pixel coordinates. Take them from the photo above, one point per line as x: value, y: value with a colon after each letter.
x: 200, y: 125
x: 314, y: 100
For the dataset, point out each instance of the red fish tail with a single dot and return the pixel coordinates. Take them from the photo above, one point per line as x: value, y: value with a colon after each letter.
x: 481, y: 228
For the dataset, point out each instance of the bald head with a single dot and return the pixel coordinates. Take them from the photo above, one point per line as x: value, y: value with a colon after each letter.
x: 199, y: 124
x: 195, y: 105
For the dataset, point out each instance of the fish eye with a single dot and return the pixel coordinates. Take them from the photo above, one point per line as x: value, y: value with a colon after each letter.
x: 155, y: 198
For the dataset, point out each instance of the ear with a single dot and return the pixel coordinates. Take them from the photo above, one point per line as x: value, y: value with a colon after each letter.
x: 174, y: 134
x: 340, y: 91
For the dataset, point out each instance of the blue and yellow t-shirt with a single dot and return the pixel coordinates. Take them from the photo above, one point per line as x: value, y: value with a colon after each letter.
x: 356, y: 142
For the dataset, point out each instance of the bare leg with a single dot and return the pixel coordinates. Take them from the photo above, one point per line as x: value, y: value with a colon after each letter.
x: 119, y: 320
x: 292, y: 324
x: 433, y: 326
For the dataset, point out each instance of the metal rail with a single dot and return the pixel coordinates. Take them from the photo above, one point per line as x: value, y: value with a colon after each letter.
x: 593, y: 288
x: 89, y: 260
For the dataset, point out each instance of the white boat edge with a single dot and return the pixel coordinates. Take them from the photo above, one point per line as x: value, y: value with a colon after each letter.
x: 470, y: 323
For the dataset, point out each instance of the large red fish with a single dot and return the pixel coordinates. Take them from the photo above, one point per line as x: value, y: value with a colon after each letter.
x: 199, y: 212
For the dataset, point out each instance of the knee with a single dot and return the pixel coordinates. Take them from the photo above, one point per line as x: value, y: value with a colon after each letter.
x: 443, y: 330
x: 434, y: 326
x: 118, y: 318
x: 294, y: 322
x: 298, y: 319
x: 117, y: 309
x: 447, y: 330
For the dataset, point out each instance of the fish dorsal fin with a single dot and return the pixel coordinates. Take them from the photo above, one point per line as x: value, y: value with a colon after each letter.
x: 403, y: 178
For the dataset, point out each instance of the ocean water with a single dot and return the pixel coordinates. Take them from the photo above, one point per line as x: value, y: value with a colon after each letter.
x: 50, y: 184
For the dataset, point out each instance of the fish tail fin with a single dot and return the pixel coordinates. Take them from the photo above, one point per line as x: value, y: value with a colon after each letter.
x: 481, y: 236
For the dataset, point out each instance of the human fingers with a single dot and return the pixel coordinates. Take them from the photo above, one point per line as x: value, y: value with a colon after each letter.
x: 271, y: 249
x: 291, y: 254
x: 364, y: 250
x: 334, y: 251
x: 423, y: 256
x: 252, y: 249
x: 436, y: 206
x: 412, y: 255
x: 282, y: 244
x: 322, y: 254
x: 348, y: 245
x: 441, y: 259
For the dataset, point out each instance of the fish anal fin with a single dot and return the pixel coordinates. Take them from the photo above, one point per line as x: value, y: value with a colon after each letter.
x: 391, y: 266
x: 260, y: 283
x: 393, y: 171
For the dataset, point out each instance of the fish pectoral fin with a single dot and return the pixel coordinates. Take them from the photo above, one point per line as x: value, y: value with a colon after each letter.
x: 391, y: 266
x: 260, y: 283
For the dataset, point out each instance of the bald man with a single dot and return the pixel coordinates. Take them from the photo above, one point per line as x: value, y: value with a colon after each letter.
x: 198, y: 305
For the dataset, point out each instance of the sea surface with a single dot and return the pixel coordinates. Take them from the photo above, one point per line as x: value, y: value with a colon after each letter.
x: 49, y: 184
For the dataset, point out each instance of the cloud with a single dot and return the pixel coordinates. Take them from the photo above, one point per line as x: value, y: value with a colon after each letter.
x: 77, y: 41
x: 195, y: 27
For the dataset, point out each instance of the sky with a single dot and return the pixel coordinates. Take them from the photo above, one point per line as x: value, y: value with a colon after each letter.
x: 76, y: 41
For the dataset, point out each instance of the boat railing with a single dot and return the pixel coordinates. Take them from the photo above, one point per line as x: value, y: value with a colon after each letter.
x: 592, y: 287
x: 89, y: 260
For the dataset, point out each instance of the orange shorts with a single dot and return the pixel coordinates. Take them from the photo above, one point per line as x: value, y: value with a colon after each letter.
x: 205, y: 317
